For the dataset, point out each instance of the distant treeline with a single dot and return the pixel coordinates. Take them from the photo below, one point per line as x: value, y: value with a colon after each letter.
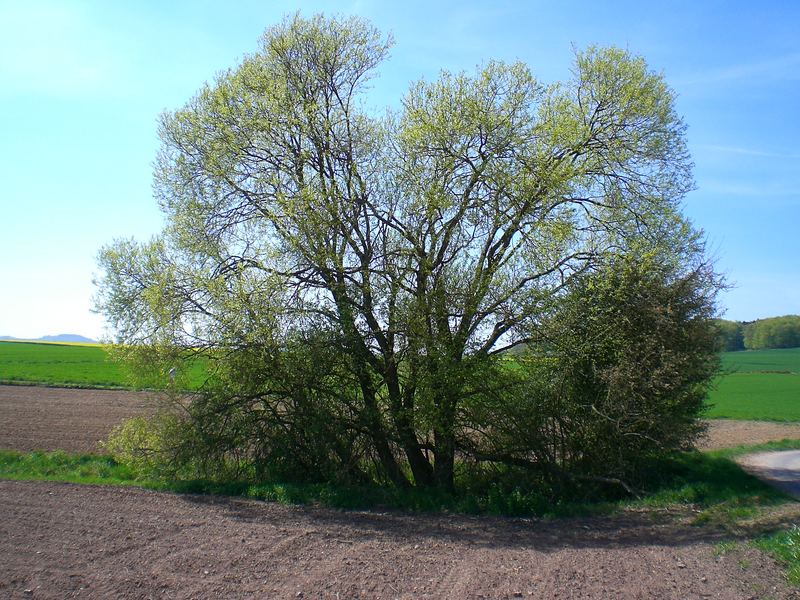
x: 775, y: 332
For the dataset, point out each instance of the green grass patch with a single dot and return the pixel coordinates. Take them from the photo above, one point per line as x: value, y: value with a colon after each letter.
x: 754, y: 361
x: 785, y: 547
x: 60, y: 466
x: 707, y: 480
x: 70, y: 365
x: 59, y: 364
x: 762, y: 385
x: 766, y: 447
x: 703, y: 480
x: 756, y: 396
x: 98, y: 469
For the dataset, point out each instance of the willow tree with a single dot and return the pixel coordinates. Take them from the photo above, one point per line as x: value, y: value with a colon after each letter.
x: 358, y: 276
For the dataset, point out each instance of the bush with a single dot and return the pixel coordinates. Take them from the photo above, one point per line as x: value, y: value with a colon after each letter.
x: 620, y: 377
x: 143, y: 444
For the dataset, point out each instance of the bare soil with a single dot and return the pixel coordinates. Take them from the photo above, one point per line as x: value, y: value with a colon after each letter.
x: 63, y: 541
x: 74, y: 420
x: 723, y: 433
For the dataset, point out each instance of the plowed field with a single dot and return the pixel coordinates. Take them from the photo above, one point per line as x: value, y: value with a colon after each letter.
x: 38, y: 418
x: 64, y: 541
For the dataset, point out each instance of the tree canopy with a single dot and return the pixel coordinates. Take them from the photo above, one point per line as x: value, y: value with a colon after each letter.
x: 774, y: 332
x: 357, y: 279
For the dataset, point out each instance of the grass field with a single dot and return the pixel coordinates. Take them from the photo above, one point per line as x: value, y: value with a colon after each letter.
x: 758, y: 385
x: 59, y: 364
x: 69, y: 365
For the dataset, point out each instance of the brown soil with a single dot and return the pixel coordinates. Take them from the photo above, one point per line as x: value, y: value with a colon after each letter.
x: 37, y: 418
x: 62, y: 540
x: 725, y: 434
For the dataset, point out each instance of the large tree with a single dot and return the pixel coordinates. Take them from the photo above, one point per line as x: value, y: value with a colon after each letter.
x: 358, y: 277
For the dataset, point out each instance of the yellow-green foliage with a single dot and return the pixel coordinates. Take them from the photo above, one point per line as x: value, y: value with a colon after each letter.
x: 140, y: 443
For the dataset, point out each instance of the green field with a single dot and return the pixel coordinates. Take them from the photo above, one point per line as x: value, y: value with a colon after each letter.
x: 759, y: 385
x: 79, y: 365
x: 72, y: 365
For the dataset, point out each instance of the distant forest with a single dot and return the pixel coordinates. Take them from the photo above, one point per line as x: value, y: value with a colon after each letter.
x: 775, y: 332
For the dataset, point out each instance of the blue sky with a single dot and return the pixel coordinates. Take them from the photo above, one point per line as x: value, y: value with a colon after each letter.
x: 82, y: 85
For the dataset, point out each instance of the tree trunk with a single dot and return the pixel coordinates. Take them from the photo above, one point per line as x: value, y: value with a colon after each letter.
x: 379, y: 439
x: 444, y: 436
x: 444, y: 453
x: 402, y: 417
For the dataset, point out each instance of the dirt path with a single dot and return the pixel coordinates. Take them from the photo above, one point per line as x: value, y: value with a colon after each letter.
x: 61, y: 540
x: 724, y: 433
x: 781, y: 469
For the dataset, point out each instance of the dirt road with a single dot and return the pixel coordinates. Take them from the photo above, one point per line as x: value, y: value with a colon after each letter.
x: 724, y: 433
x: 781, y: 469
x: 61, y: 540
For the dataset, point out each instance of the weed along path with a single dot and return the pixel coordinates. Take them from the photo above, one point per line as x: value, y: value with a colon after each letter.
x: 61, y: 540
x: 780, y: 469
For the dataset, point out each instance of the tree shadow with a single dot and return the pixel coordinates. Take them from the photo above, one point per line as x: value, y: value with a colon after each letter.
x: 628, y: 528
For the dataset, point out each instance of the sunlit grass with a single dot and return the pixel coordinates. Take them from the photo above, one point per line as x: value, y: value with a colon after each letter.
x: 758, y: 385
x: 70, y: 365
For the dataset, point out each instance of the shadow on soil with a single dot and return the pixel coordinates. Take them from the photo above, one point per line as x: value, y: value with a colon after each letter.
x: 687, y: 499
x: 627, y: 529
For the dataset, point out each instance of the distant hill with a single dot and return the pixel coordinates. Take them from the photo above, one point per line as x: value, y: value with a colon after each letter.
x: 63, y: 337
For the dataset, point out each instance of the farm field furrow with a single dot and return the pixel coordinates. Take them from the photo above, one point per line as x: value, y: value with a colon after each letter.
x: 62, y: 540
x: 73, y: 420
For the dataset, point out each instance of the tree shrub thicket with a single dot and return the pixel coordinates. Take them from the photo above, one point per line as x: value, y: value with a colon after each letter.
x: 618, y: 375
x: 356, y: 282
x: 775, y: 332
x: 730, y: 335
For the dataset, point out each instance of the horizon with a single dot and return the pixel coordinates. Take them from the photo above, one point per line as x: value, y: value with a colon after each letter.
x: 46, y: 338
x: 83, y: 86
